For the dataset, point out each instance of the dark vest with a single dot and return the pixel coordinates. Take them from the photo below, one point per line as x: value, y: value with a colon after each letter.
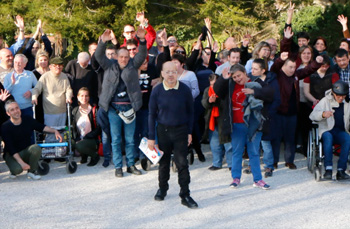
x: 318, y: 85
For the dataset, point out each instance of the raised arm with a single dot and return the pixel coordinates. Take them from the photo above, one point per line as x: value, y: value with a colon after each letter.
x: 344, y: 23
x: 100, y: 54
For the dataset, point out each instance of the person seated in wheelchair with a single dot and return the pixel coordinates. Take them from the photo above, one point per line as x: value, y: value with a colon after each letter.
x: 332, y: 114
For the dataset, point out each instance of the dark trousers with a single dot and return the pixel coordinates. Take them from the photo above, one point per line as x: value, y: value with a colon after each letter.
x: 285, y: 127
x: 173, y: 140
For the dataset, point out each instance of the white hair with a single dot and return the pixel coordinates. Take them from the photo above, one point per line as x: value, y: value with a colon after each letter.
x: 83, y: 57
x: 25, y: 59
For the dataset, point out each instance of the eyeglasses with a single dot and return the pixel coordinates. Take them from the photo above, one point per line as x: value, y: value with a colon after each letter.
x: 172, y: 41
x: 129, y: 32
x: 180, y: 52
x: 57, y: 66
x: 132, y: 49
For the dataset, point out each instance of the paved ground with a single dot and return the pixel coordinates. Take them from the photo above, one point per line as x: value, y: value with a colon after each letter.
x: 95, y: 198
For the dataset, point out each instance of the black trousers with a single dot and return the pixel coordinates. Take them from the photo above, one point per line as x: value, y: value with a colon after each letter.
x: 174, y: 140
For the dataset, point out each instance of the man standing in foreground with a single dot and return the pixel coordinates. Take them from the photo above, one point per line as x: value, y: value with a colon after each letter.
x: 16, y: 132
x: 171, y: 106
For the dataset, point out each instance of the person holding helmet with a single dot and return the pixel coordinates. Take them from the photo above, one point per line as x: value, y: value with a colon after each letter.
x: 332, y: 114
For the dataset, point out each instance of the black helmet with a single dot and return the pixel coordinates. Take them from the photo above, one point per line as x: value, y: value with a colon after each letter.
x: 340, y: 88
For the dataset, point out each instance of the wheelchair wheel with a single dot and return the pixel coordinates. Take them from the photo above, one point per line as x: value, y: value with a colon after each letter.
x: 71, y: 167
x: 317, y: 174
x: 43, y: 168
x: 310, y: 152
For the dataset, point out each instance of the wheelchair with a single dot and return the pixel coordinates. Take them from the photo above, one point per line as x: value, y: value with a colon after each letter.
x: 315, y: 156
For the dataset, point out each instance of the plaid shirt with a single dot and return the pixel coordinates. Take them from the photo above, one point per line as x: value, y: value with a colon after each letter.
x: 344, y: 74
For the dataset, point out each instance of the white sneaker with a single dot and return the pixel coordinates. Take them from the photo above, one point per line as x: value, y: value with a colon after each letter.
x: 33, y: 176
x: 12, y: 176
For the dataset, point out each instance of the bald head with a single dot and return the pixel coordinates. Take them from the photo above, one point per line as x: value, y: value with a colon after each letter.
x: 6, y: 58
x: 169, y: 74
x: 230, y: 43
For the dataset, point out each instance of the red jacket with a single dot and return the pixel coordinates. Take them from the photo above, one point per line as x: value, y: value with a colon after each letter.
x: 150, y: 37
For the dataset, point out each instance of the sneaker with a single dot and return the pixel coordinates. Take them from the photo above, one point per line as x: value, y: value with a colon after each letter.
x: 328, y: 174
x: 248, y: 170
x: 12, y: 176
x: 33, y: 176
x: 235, y: 183
x: 213, y: 168
x: 119, y: 172
x: 261, y: 184
x: 132, y: 169
x: 268, y: 172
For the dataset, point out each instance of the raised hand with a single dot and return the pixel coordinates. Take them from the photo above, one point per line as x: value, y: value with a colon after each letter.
x: 113, y: 38
x: 141, y: 33
x: 106, y: 36
x: 19, y: 22
x: 284, y: 56
x: 288, y: 33
x: 225, y: 73
x: 4, y: 94
x: 246, y: 40
x: 290, y: 12
x: 140, y: 17
x: 343, y: 21
x: 164, y: 37
x: 207, y: 22
x: 319, y: 59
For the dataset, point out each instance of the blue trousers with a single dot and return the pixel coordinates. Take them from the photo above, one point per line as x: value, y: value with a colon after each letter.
x: 336, y: 136
x: 219, y: 150
x: 239, y: 138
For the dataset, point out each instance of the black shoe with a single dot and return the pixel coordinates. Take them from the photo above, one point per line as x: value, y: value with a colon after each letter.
x: 94, y: 160
x: 201, y: 156
x: 341, y: 175
x: 328, y: 175
x: 248, y: 170
x: 268, y: 172
x: 160, y: 195
x: 105, y: 163
x: 291, y: 165
x: 83, y: 159
x: 132, y: 169
x: 119, y: 172
x: 189, y: 202
x: 213, y: 168
x: 275, y: 165
x: 144, y: 164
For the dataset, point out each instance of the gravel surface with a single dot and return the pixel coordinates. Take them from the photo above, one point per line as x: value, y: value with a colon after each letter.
x: 95, y: 198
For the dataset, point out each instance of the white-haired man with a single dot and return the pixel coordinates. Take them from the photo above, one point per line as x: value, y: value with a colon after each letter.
x: 82, y: 75
x: 20, y: 83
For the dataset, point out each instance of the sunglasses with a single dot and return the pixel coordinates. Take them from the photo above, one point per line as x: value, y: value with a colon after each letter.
x: 133, y: 49
x: 180, y: 52
x: 129, y: 32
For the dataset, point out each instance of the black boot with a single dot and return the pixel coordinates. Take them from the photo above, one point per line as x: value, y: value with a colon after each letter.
x: 341, y: 175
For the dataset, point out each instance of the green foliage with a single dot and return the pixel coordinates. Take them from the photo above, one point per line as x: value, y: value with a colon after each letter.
x: 83, y: 21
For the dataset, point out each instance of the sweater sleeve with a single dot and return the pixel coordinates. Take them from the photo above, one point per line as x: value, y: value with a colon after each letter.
x: 346, y: 34
x: 152, y: 114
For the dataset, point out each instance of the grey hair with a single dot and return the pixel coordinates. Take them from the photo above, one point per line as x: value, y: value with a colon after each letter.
x: 83, y: 57
x: 7, y: 104
x: 25, y: 59
x: 237, y: 68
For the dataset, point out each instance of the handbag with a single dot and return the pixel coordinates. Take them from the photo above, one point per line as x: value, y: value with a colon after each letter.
x: 100, y: 145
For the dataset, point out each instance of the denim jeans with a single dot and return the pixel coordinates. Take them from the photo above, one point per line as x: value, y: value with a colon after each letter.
x: 121, y: 130
x: 286, y: 127
x: 239, y: 141
x: 141, y: 131
x: 107, y: 147
x: 219, y: 150
x: 268, y: 154
x: 336, y: 136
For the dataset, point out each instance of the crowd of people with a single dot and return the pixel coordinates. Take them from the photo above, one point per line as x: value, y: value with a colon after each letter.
x: 242, y: 104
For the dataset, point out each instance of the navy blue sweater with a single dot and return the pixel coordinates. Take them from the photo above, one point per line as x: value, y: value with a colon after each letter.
x: 170, y: 108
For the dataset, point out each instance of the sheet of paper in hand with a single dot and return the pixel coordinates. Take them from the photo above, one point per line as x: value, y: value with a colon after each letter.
x: 153, y: 155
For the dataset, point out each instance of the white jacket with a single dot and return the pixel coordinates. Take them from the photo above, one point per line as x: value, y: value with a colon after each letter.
x: 326, y: 104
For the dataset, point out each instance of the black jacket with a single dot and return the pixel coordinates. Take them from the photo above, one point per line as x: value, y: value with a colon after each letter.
x: 95, y: 129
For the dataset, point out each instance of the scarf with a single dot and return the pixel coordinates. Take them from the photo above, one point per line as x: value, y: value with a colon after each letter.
x: 214, y: 112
